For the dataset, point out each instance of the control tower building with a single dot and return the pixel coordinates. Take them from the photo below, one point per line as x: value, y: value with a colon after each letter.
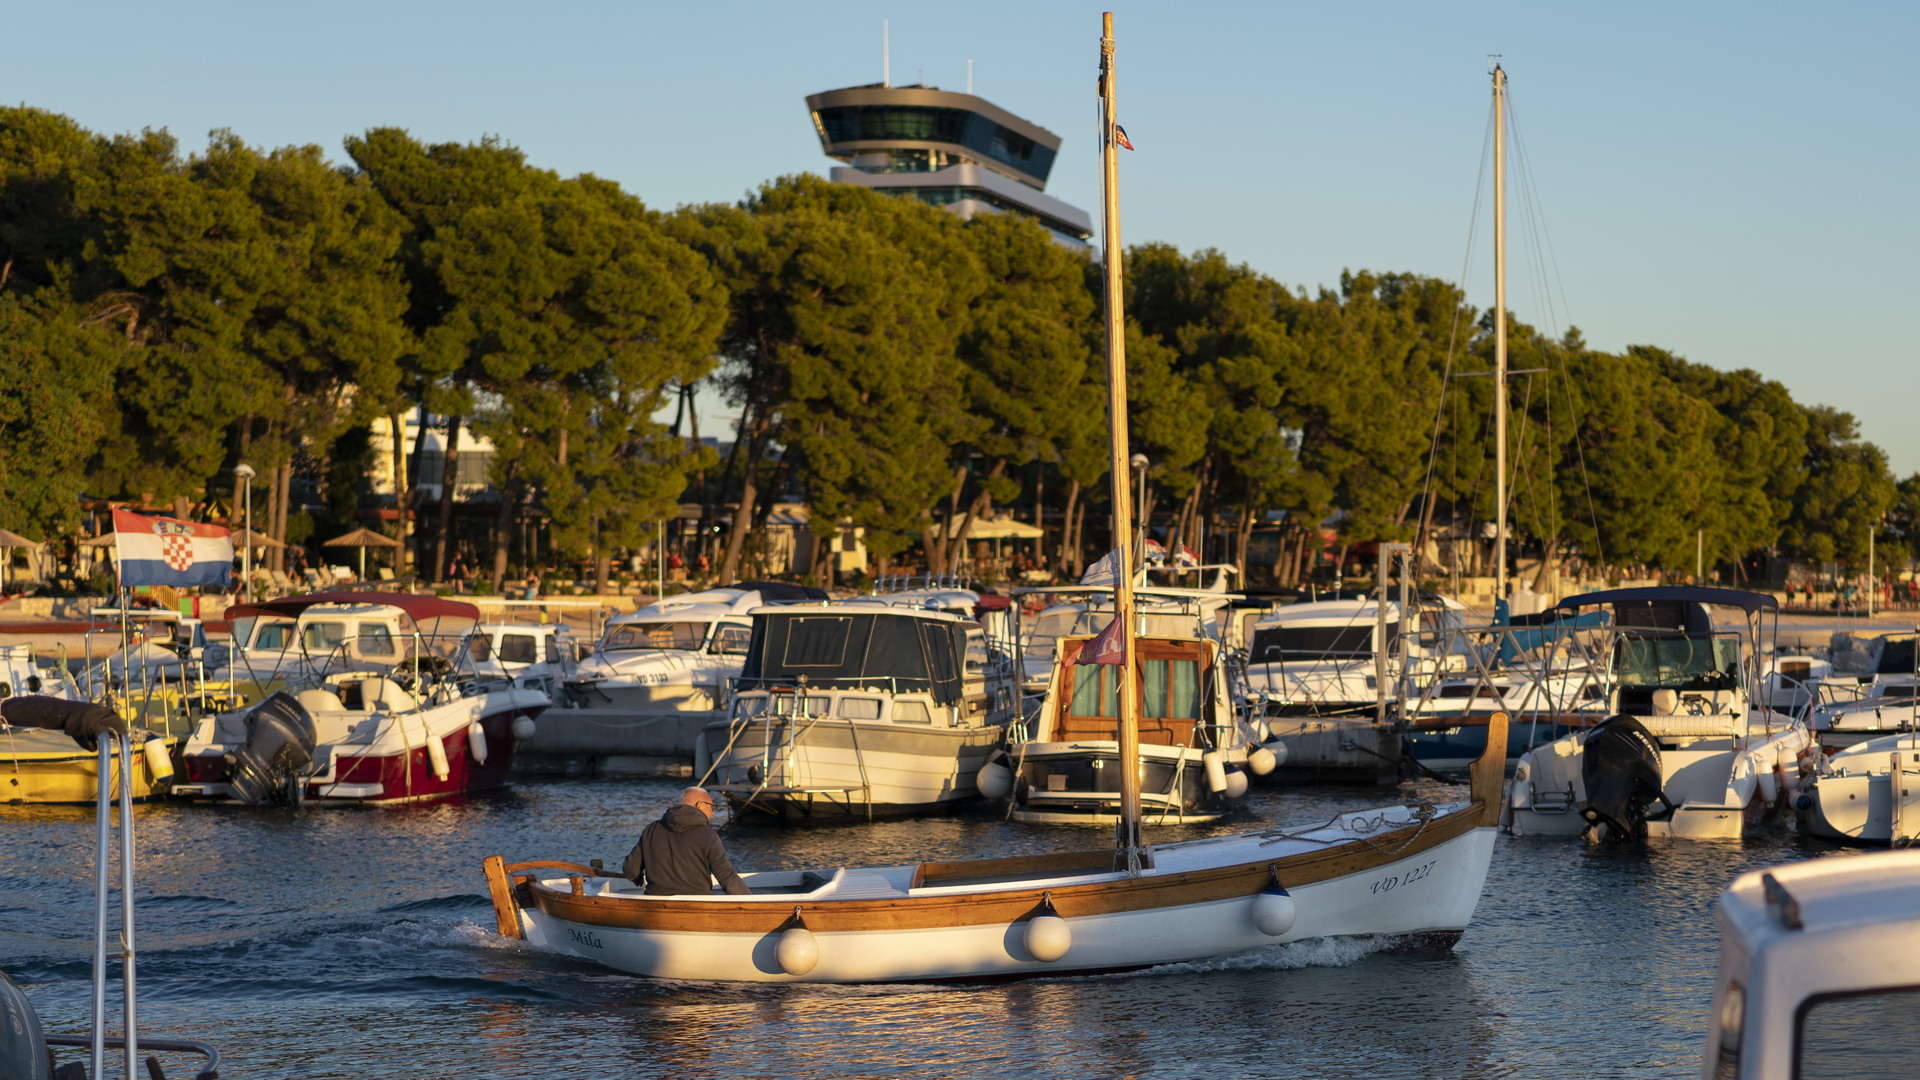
x: 951, y: 150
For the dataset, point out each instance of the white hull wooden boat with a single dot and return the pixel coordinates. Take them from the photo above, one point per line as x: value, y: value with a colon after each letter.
x: 1412, y: 873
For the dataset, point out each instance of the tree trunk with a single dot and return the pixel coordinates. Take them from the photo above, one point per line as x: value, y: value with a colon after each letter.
x: 982, y: 503
x: 1243, y: 538
x: 742, y: 518
x: 503, y: 523
x: 1069, y: 540
x: 449, y: 478
x: 1080, y: 541
x: 1548, y: 551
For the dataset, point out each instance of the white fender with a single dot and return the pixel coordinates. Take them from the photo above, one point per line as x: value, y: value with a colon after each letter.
x: 158, y: 763
x: 1262, y: 760
x: 477, y: 742
x: 1741, y: 785
x: 522, y: 728
x: 798, y: 952
x: 1048, y: 937
x: 1274, y: 911
x: 994, y: 780
x: 437, y: 754
x: 1215, y: 763
x: 1278, y: 749
x: 1236, y: 784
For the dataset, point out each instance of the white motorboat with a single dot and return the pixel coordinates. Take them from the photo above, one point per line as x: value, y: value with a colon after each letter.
x: 1868, y: 793
x: 415, y: 730
x: 1865, y: 702
x: 1816, y: 973
x: 679, y: 654
x: 1195, y: 753
x: 1687, y: 751
x: 1083, y: 610
x: 526, y: 657
x: 296, y: 638
x: 878, y: 706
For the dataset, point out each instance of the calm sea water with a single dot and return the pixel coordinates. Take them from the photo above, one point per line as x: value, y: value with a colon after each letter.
x: 360, y: 943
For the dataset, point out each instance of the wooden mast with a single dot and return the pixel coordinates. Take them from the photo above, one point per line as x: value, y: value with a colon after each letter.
x: 1500, y: 333
x: 1127, y: 834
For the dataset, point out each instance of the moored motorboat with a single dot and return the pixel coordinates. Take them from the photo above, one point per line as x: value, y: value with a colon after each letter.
x: 1688, y: 751
x: 1868, y: 793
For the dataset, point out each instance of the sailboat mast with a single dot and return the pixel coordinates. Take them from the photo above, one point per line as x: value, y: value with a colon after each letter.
x: 1500, y: 331
x: 1127, y: 835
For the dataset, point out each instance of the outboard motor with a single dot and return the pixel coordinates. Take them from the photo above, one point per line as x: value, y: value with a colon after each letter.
x: 1621, y: 768
x: 280, y: 741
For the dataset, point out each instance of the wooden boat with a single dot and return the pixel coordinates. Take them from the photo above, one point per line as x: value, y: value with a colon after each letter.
x: 1411, y: 873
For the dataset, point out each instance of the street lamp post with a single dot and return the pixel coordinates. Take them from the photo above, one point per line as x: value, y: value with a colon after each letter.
x: 245, y: 474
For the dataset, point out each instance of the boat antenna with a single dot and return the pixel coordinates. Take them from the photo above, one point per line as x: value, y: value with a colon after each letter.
x: 1129, y: 853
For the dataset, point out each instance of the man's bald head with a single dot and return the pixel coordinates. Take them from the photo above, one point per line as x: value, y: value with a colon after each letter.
x: 695, y: 796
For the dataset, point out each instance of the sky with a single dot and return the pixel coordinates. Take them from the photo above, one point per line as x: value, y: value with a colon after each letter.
x: 1733, y: 182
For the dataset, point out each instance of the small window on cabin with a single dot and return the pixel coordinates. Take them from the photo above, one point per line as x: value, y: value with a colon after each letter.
x: 1096, y: 692
x: 1173, y: 689
x: 731, y: 640
x: 322, y: 637
x: 518, y: 649
x: 819, y: 641
x: 480, y: 647
x: 912, y: 712
x: 375, y: 640
x: 278, y: 635
x: 976, y: 651
x: 1849, y: 1036
x: 860, y: 708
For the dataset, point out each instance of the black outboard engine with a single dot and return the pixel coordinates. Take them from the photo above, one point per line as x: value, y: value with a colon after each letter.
x: 280, y: 741
x: 1621, y: 769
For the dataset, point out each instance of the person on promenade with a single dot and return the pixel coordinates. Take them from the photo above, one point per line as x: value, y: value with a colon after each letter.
x: 680, y: 854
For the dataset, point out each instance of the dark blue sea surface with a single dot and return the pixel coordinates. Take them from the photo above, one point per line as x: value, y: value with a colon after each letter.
x: 360, y: 943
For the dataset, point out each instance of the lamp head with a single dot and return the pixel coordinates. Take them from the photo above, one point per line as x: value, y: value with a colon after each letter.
x: 244, y: 471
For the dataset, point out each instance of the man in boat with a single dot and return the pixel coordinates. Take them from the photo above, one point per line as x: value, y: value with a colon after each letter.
x: 681, y: 855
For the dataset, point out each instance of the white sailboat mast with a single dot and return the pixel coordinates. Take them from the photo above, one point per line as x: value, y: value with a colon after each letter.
x: 1500, y: 331
x: 1127, y: 836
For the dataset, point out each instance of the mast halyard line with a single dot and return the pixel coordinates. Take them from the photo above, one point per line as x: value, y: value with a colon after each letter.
x: 1128, y: 851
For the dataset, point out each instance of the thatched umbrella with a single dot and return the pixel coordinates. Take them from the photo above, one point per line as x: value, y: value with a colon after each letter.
x: 249, y: 538
x: 363, y: 538
x: 9, y: 541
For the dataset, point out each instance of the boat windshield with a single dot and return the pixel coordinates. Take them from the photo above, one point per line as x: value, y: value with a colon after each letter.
x: 1283, y: 643
x: 1678, y: 662
x: 656, y: 635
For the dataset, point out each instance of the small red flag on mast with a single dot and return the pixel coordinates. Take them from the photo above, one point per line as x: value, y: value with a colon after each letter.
x: 1120, y: 136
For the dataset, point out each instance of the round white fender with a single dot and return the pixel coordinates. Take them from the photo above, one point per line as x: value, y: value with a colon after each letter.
x: 1743, y: 782
x: 1273, y: 910
x: 1215, y: 763
x: 1262, y: 760
x: 798, y: 952
x: 1236, y: 784
x: 994, y: 779
x: 158, y: 763
x: 437, y: 754
x: 1278, y: 749
x: 477, y: 742
x: 1048, y: 936
x: 522, y: 728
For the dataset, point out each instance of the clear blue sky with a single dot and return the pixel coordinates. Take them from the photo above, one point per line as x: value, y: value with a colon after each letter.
x: 1734, y: 182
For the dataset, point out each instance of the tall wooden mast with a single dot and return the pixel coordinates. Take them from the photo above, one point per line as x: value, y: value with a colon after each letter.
x: 1500, y: 332
x: 1127, y: 835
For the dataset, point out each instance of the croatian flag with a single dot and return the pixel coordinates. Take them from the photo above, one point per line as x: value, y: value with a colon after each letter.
x: 162, y: 551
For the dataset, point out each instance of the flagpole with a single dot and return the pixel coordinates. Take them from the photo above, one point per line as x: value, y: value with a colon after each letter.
x: 1127, y: 834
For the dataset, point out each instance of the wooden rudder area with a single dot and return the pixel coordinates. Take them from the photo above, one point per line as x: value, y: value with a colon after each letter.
x: 1490, y: 771
x: 504, y: 909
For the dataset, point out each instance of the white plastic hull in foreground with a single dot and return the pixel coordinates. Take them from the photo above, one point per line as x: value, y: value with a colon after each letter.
x: 1427, y: 897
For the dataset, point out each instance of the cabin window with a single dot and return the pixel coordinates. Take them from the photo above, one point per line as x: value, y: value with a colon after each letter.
x: 274, y: 635
x: 375, y: 640
x: 1850, y: 1036
x: 1797, y: 671
x: 912, y: 712
x: 1096, y: 690
x: 553, y: 649
x: 731, y: 640
x: 518, y: 649
x: 749, y: 706
x: 322, y: 637
x: 1897, y: 691
x: 480, y: 647
x: 1285, y: 643
x: 1678, y: 662
x: 1173, y: 689
x: 817, y: 641
x: 976, y: 651
x: 860, y: 708
x: 657, y: 635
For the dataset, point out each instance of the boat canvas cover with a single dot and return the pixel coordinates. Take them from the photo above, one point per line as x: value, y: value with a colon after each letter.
x: 162, y: 551
x: 844, y: 648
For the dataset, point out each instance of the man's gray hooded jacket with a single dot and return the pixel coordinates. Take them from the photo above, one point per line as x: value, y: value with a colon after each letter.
x: 681, y: 855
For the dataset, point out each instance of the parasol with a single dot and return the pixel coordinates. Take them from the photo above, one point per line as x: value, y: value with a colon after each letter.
x: 362, y: 538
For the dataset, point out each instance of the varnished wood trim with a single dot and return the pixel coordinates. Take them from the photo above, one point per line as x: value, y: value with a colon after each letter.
x: 1012, y: 904
x: 936, y: 873
x: 504, y: 909
x: 1488, y: 772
